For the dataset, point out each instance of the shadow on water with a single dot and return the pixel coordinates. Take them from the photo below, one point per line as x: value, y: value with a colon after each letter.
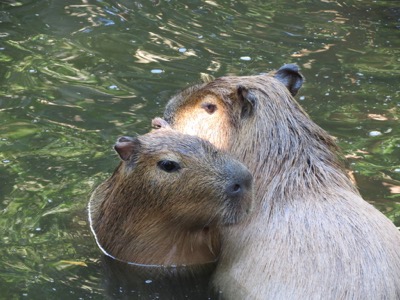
x: 127, y: 281
x: 75, y: 75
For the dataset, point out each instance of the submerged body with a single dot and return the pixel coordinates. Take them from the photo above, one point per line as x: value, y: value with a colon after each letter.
x: 311, y: 235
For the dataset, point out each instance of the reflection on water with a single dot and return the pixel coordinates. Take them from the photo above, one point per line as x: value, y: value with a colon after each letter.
x: 75, y: 75
x: 126, y: 281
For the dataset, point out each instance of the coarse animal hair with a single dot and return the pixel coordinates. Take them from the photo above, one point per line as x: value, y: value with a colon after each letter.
x: 311, y: 235
x: 167, y: 199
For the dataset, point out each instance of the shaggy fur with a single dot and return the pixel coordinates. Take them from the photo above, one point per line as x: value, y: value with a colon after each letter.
x: 311, y: 235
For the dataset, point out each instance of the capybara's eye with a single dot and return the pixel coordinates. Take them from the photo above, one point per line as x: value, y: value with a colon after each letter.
x: 168, y: 166
x: 209, y: 107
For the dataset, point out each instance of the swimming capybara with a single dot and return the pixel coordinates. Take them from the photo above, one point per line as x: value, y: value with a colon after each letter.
x: 311, y: 235
x: 166, y: 200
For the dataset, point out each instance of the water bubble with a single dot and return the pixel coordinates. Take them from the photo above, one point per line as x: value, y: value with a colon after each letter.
x: 148, y: 281
x: 157, y: 71
x: 375, y: 133
x: 182, y: 50
x: 302, y: 98
x: 245, y: 58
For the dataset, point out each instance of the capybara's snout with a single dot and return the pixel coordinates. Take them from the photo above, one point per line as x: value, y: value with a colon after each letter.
x: 240, y: 183
x: 238, y: 192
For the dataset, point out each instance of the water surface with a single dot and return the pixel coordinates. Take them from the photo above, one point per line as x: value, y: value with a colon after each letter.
x: 75, y: 75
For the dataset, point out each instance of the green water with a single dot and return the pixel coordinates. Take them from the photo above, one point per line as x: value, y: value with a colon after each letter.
x: 75, y: 75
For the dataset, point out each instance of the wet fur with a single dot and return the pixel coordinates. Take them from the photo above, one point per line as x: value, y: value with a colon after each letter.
x: 311, y: 235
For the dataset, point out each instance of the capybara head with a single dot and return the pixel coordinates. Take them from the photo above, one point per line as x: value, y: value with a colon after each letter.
x: 221, y: 109
x: 185, y: 177
x: 253, y: 118
x: 169, y: 184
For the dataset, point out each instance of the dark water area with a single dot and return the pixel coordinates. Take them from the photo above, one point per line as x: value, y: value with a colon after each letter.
x: 75, y: 75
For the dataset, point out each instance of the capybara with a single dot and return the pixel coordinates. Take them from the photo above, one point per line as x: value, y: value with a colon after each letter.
x: 311, y: 235
x: 166, y: 200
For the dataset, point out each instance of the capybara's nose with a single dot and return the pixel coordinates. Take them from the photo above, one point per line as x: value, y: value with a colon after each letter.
x: 240, y: 183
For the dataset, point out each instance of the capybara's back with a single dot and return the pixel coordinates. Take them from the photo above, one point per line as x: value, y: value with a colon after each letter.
x: 168, y: 199
x: 311, y: 235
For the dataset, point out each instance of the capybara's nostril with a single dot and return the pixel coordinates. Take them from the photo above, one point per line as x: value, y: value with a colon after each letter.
x: 241, y: 184
x: 236, y: 188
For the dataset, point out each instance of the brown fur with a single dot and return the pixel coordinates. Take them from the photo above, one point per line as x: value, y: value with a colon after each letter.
x: 146, y: 215
x: 311, y: 235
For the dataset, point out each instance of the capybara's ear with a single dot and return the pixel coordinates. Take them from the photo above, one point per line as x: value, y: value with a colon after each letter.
x: 248, y: 100
x: 126, y: 146
x: 291, y: 77
x: 158, y: 123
